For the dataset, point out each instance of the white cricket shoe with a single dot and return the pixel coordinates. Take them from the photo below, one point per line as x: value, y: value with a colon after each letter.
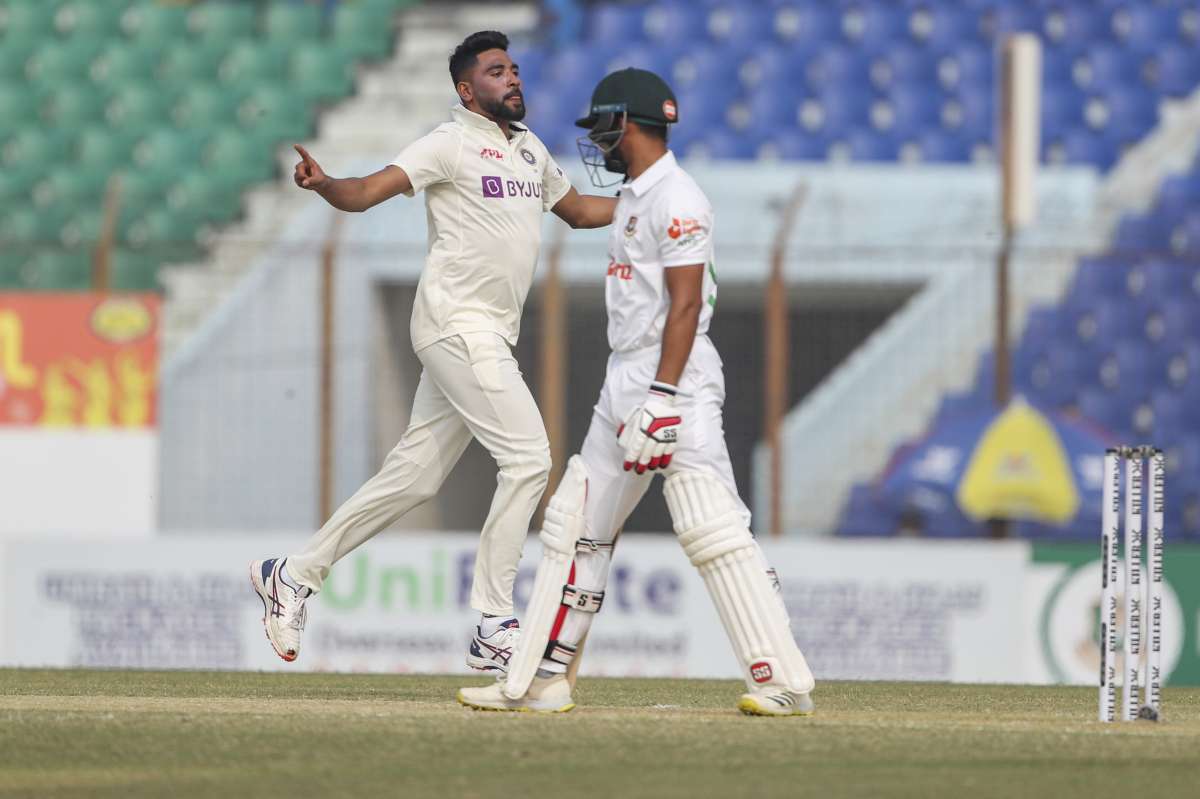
x: 493, y: 652
x: 283, y: 606
x: 776, y: 702
x: 545, y: 695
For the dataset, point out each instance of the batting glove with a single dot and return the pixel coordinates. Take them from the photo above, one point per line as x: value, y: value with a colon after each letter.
x: 651, y: 430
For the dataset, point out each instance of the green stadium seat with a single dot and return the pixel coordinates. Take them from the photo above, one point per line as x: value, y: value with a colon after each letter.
x: 156, y: 22
x: 275, y: 112
x: 76, y: 105
x: 30, y: 21
x: 191, y: 62
x: 16, y: 185
x: 18, y: 105
x: 12, y: 269
x: 67, y: 187
x: 32, y: 227
x: 235, y: 152
x: 13, y: 55
x: 133, y: 271
x: 321, y: 74
x: 364, y: 34
x: 140, y: 193
x: 221, y: 20
x: 208, y: 104
x: 56, y: 63
x: 91, y: 20
x: 104, y: 146
x: 167, y: 235
x: 120, y: 63
x: 60, y: 270
x: 208, y: 196
x: 251, y: 62
x: 38, y: 145
x: 83, y: 229
x: 287, y: 22
x: 139, y: 105
x: 168, y: 151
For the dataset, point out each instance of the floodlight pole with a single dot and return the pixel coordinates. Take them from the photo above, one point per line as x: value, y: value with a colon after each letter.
x: 552, y: 388
x: 326, y: 371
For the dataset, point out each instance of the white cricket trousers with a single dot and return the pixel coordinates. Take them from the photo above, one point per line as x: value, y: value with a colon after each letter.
x: 470, y: 386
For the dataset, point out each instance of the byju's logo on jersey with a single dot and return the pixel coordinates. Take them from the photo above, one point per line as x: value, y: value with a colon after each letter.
x: 494, y: 186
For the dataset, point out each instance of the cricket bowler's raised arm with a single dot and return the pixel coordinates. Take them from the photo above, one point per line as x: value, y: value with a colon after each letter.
x: 350, y: 194
x: 585, y: 210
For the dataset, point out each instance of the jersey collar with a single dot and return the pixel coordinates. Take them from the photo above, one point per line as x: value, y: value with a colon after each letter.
x: 466, y: 116
x: 657, y: 171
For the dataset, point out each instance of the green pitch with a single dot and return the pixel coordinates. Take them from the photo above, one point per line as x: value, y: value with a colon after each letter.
x: 179, y: 734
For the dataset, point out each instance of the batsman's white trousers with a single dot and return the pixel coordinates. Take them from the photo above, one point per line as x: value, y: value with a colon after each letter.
x: 613, y: 493
x: 470, y: 386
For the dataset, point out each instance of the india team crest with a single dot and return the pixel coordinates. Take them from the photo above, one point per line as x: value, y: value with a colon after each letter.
x: 528, y: 156
x: 631, y: 226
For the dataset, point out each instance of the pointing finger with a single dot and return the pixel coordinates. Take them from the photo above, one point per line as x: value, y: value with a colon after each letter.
x: 308, y: 159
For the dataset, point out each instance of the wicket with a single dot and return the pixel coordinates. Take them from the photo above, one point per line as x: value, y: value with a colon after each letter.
x: 1143, y: 592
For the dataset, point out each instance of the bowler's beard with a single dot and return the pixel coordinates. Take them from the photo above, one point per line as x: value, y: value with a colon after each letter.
x: 501, y: 110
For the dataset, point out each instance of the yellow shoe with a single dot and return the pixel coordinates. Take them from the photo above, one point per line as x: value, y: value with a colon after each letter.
x: 545, y: 695
x: 776, y: 702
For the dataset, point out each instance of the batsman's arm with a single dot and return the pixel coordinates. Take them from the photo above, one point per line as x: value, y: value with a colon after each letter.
x: 585, y: 210
x: 350, y: 194
x: 685, y: 286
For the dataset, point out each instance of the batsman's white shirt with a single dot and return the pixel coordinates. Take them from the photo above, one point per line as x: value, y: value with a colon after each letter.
x: 484, y: 198
x: 663, y: 220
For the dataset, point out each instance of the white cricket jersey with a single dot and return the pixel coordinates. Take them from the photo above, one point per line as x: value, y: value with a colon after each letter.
x: 662, y: 220
x: 484, y: 199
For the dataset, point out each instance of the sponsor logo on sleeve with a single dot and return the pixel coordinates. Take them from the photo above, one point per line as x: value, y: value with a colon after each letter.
x: 684, y: 231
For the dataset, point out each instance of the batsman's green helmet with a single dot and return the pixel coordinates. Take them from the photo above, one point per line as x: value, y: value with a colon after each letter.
x: 638, y: 93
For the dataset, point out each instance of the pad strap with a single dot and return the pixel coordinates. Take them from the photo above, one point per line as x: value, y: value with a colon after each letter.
x: 592, y: 545
x: 582, y: 599
x: 560, y: 652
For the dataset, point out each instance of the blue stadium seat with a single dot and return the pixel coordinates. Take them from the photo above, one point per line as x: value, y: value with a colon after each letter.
x: 1133, y: 366
x: 724, y: 144
x: 697, y: 74
x: 909, y: 66
x: 864, y: 517
x: 940, y: 25
x: 873, y: 25
x: 869, y: 145
x: 772, y: 69
x: 614, y: 23
x: 1003, y: 18
x: 1066, y: 24
x: 1045, y: 325
x: 740, y: 26
x: 672, y: 22
x: 969, y: 114
x: 1062, y: 109
x: 838, y: 69
x: 1099, y: 68
x: 966, y: 65
x: 1110, y: 411
x: 769, y: 114
x: 656, y: 58
x: 1173, y: 319
x: 806, y: 23
x: 1129, y: 112
x: 1178, y: 195
x: 1082, y: 146
x: 1100, y: 278
x: 579, y: 69
x: 701, y: 109
x: 833, y: 112
x: 940, y: 146
x: 802, y: 146
x: 1161, y: 279
x: 911, y: 111
x: 1142, y: 26
x: 1053, y: 374
x: 1174, y: 70
x: 1183, y: 368
x: 1175, y: 417
x: 1142, y: 235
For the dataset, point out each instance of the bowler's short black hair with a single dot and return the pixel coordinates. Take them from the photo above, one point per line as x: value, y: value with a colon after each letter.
x: 466, y: 54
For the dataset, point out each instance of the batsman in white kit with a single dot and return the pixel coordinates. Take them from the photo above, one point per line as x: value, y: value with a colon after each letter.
x: 659, y: 411
x: 487, y: 183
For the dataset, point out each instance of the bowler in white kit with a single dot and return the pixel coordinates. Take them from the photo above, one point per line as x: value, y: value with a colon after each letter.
x: 487, y: 182
x: 659, y: 410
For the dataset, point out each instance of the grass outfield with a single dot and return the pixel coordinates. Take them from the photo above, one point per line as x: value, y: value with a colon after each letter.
x: 181, y: 734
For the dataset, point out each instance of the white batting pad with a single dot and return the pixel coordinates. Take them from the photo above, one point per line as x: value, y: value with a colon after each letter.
x: 563, y: 526
x: 719, y: 545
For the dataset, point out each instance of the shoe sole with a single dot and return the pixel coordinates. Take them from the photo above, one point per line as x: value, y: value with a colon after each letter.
x: 487, y: 665
x: 261, y: 592
x: 752, y: 708
x: 486, y: 708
